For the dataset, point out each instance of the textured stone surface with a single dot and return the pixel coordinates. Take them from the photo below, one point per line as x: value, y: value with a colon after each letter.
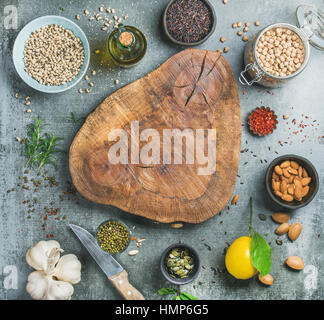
x: 305, y: 94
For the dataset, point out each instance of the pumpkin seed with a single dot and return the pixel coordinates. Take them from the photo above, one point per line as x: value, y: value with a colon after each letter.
x: 180, y: 263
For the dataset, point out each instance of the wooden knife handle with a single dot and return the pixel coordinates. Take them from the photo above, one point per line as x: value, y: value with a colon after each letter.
x: 127, y: 291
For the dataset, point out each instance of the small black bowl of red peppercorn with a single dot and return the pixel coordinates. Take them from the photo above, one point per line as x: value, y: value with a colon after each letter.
x: 189, y: 22
x: 262, y: 121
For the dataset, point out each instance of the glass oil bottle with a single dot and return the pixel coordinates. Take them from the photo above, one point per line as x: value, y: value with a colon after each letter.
x: 126, y: 45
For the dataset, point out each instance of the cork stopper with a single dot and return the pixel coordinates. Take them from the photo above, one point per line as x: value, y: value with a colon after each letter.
x: 126, y: 39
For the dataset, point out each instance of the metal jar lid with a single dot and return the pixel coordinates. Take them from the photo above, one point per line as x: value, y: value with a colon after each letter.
x: 311, y: 21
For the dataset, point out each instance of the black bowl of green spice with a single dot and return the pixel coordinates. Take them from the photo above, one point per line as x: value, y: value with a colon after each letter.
x: 189, y: 22
x: 171, y: 259
x: 113, y: 236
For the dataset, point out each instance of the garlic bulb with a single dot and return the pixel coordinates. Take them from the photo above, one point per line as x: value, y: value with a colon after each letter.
x: 55, y: 275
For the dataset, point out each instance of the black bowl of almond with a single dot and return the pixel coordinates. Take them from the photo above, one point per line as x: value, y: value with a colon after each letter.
x: 292, y: 181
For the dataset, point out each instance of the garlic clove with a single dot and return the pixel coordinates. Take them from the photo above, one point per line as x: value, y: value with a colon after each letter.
x: 37, y: 285
x: 37, y: 255
x: 59, y: 290
x: 68, y: 269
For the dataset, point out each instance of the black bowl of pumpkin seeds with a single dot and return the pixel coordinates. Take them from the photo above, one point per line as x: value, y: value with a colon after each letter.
x: 180, y: 263
x: 113, y: 236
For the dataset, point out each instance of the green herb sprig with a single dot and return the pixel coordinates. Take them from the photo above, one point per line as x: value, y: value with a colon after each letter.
x: 260, y: 249
x: 41, y: 148
x: 73, y: 118
x: 178, y: 295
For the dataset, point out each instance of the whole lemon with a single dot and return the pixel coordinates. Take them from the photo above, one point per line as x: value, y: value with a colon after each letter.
x: 238, y: 259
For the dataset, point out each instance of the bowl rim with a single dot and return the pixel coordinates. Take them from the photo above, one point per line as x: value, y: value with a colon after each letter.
x: 165, y: 272
x: 59, y: 88
x: 268, y: 187
x: 191, y: 44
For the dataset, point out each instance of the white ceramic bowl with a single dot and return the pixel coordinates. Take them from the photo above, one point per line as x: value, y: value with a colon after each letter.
x: 24, y: 34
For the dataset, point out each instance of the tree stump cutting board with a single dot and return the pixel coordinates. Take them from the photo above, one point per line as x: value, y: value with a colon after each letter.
x: 194, y: 89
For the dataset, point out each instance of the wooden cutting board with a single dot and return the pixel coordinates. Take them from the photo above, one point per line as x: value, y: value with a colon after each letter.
x: 194, y: 89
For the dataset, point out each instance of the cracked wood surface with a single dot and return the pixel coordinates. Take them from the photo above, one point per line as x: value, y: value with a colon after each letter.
x: 194, y: 89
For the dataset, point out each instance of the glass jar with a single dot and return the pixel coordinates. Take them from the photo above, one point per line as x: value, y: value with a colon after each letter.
x: 126, y: 45
x: 310, y: 31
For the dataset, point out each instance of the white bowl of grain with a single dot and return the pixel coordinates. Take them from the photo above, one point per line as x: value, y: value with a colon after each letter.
x: 51, y: 54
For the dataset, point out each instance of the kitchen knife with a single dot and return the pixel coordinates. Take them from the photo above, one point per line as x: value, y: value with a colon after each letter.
x: 114, y: 271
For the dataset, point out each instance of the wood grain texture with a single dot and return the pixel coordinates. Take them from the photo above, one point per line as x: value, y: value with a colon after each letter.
x: 126, y: 290
x: 194, y: 89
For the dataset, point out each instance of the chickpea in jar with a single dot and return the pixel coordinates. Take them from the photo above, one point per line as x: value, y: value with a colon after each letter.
x: 280, y: 52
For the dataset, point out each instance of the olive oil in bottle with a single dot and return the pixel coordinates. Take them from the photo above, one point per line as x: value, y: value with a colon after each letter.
x: 126, y: 45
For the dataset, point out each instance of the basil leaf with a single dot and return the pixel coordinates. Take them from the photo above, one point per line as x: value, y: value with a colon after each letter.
x: 183, y: 297
x: 166, y: 291
x: 260, y: 254
x: 188, y: 296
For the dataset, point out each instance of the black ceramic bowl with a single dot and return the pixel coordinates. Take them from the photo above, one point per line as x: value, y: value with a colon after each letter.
x: 191, y: 44
x: 313, y: 186
x: 164, y: 269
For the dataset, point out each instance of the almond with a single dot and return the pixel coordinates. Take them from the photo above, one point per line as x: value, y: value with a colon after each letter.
x: 305, y: 174
x: 291, y: 179
x: 298, y: 192
x: 287, y: 197
x: 297, y: 183
x: 177, y: 225
x: 295, y: 262
x: 278, y: 170
x: 267, y: 279
x: 278, y: 194
x: 305, y: 191
x: 294, y: 165
x: 275, y: 176
x: 285, y: 164
x: 293, y: 171
x: 235, y: 198
x: 283, y: 228
x: 275, y: 185
x: 300, y: 172
x: 283, y: 186
x: 306, y: 181
x: 280, y: 217
x: 291, y: 189
x: 294, y: 231
x: 286, y: 173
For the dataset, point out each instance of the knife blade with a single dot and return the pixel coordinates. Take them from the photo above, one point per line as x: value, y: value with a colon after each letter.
x: 105, y: 261
x: 114, y: 271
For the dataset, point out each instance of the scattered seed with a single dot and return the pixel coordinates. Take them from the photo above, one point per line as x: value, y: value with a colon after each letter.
x: 286, y: 116
x: 77, y: 17
x: 234, y: 25
x: 222, y: 39
x: 93, y: 72
x: 133, y: 252
x: 247, y: 24
x: 17, y: 95
x: 239, y: 24
x: 226, y: 49
x: 262, y: 217
x: 245, y: 38
x: 116, y: 81
x: 279, y: 242
x: 86, y: 12
x: 246, y: 29
x: 87, y: 90
x: 235, y: 199
x: 177, y: 225
x: 257, y: 23
x: 28, y: 110
x: 27, y: 103
x: 239, y: 33
x: 91, y: 84
x: 80, y: 90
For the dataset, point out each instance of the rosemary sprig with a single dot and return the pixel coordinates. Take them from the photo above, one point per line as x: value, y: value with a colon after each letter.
x: 41, y: 148
x: 73, y: 118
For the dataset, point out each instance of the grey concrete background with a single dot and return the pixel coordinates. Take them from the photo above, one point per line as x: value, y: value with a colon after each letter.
x: 303, y: 96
